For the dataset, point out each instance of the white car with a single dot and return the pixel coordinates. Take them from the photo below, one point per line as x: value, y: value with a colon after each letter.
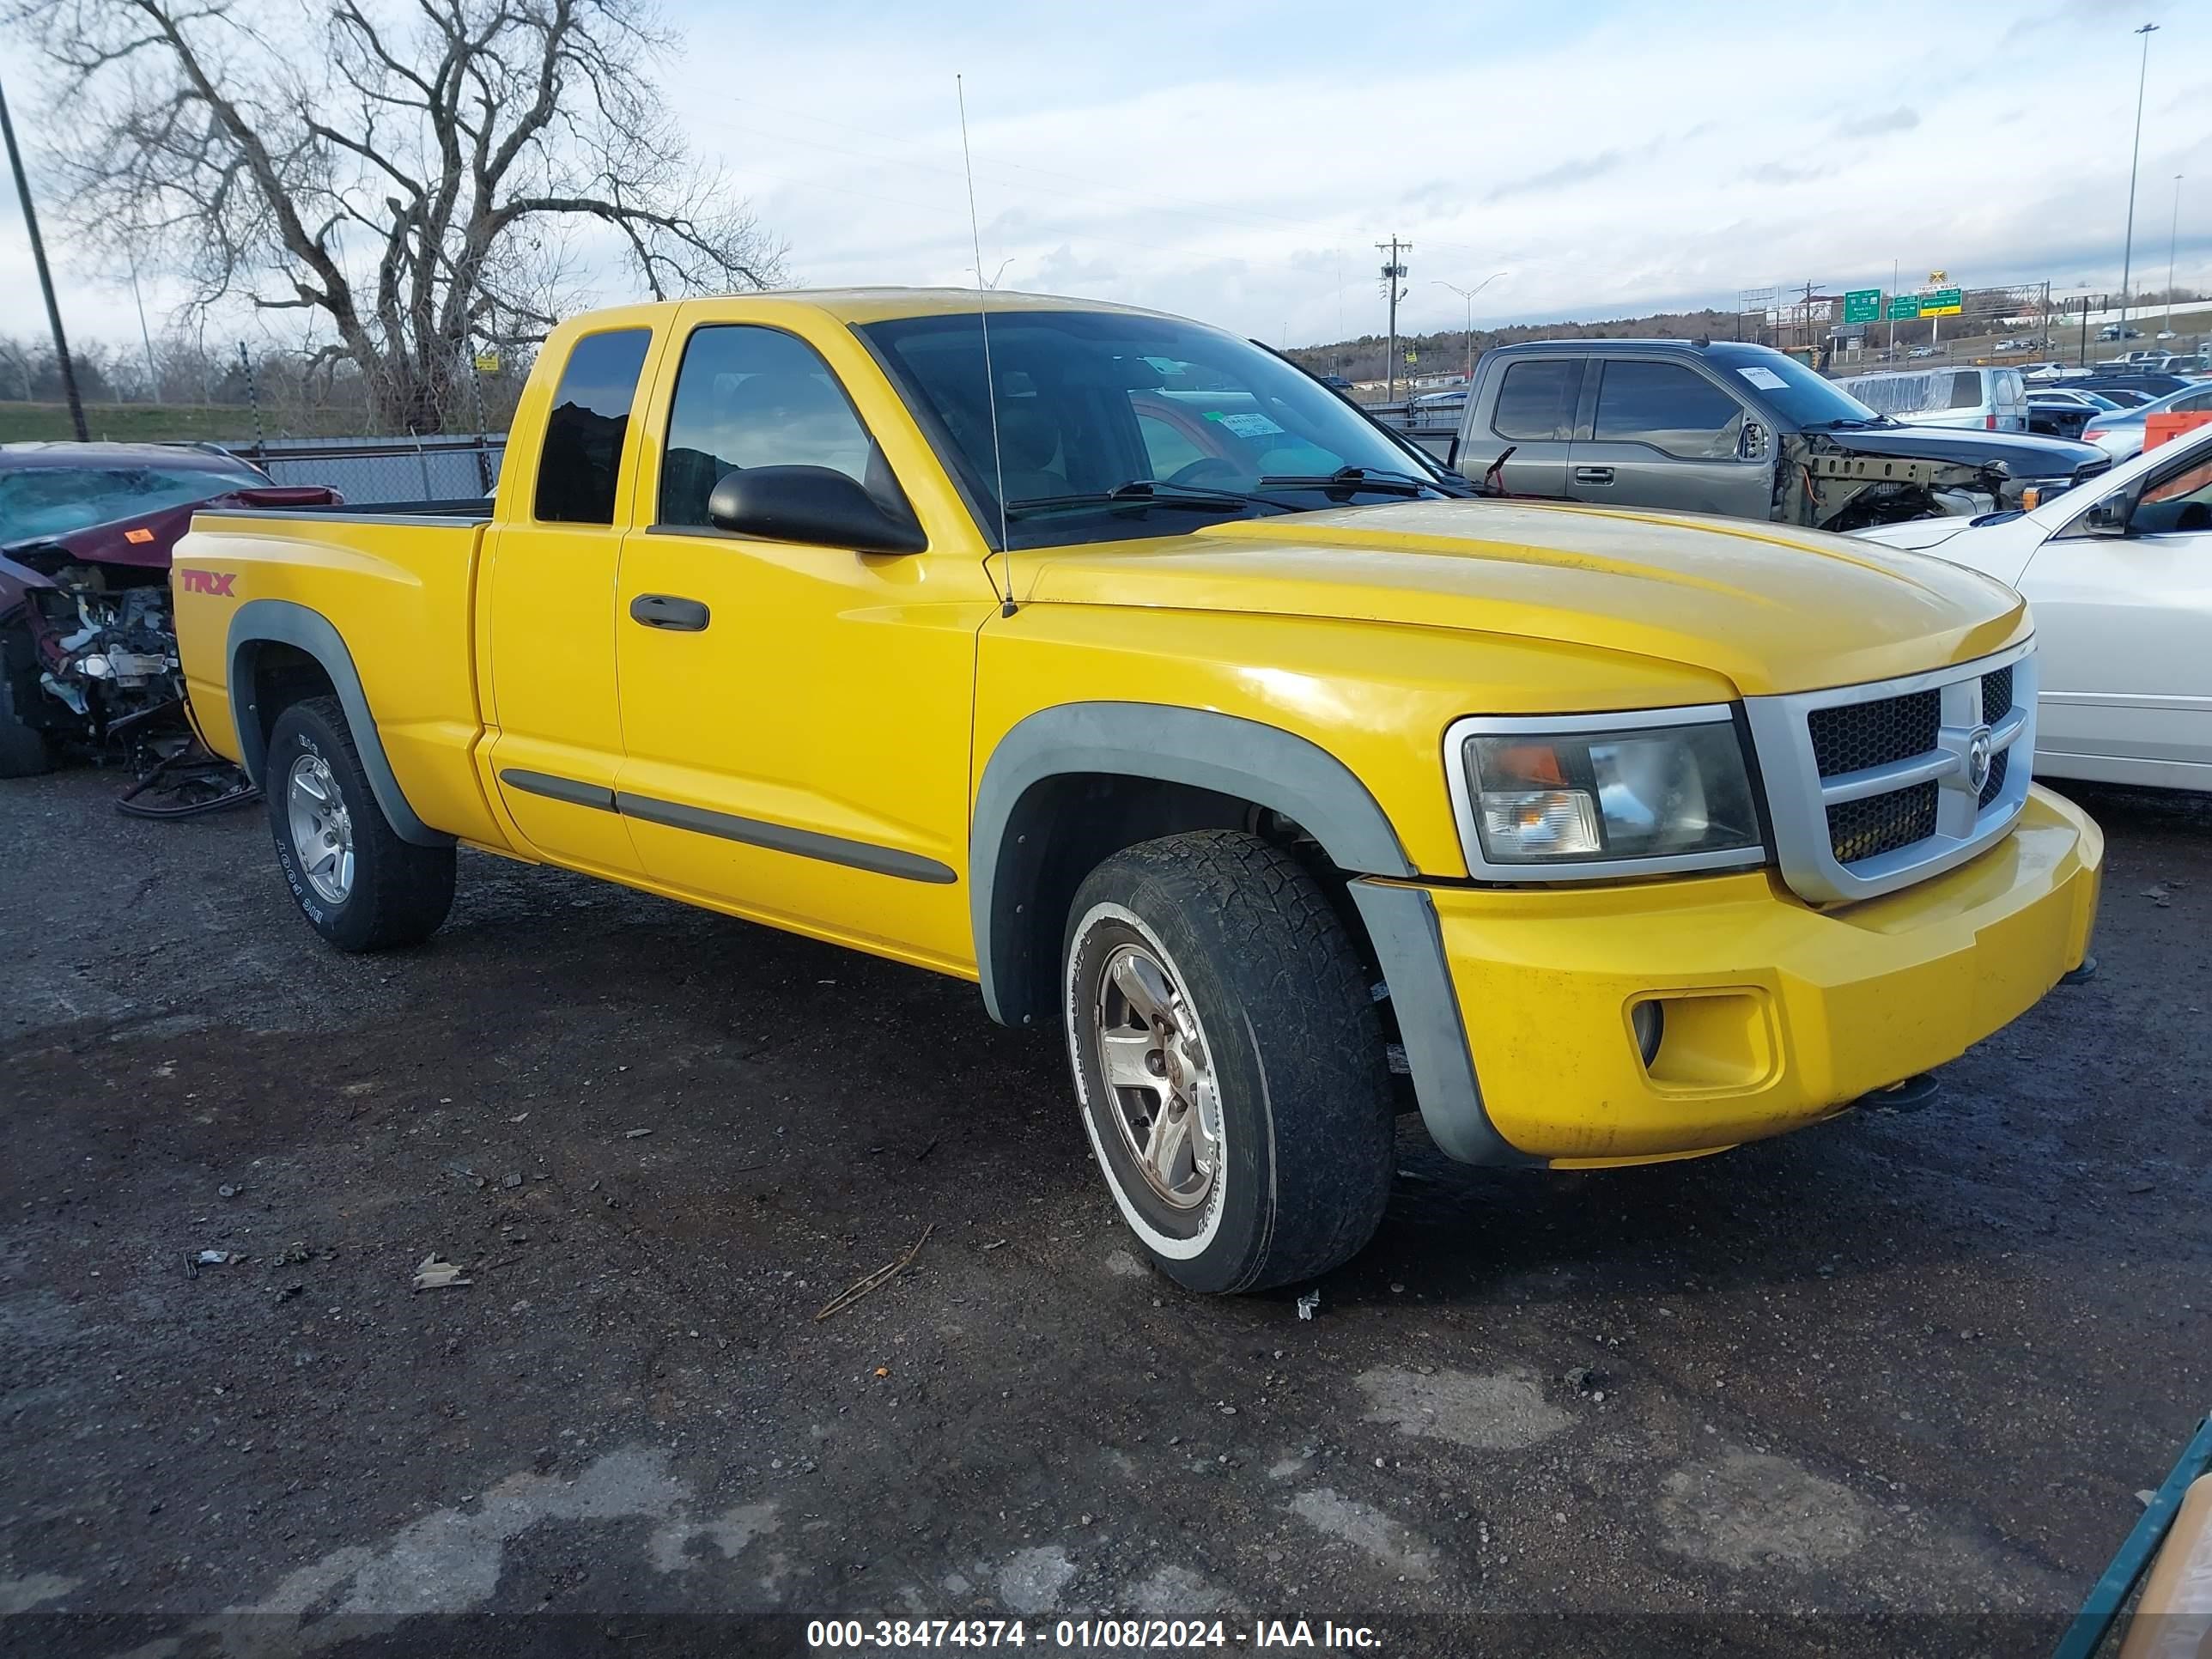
x: 2118, y: 573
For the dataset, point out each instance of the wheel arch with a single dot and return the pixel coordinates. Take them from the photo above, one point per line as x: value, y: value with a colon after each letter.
x: 1167, y: 769
x: 266, y: 645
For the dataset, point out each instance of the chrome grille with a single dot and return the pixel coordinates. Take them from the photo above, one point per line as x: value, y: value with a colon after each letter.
x: 1857, y: 735
x: 1873, y: 788
x: 1999, y: 767
x: 1875, y: 824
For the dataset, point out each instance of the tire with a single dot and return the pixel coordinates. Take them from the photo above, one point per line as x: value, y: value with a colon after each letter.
x: 358, y: 884
x: 26, y: 750
x: 1227, y: 990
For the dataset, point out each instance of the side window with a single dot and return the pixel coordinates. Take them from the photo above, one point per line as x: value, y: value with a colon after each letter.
x: 577, y: 469
x: 1536, y: 400
x: 749, y: 396
x: 1966, y: 389
x: 1670, y: 407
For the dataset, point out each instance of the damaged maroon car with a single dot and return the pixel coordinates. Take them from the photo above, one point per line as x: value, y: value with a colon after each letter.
x: 87, y: 643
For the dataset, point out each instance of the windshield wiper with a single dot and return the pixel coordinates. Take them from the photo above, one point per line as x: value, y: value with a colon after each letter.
x: 1145, y: 492
x: 1353, y: 477
x: 1849, y: 423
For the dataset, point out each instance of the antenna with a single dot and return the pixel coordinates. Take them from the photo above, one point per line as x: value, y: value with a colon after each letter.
x: 990, y: 379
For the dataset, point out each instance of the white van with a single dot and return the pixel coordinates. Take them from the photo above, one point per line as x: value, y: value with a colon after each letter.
x: 1994, y: 399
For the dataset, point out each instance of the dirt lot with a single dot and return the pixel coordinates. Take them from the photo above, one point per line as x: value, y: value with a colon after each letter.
x: 1904, y: 1368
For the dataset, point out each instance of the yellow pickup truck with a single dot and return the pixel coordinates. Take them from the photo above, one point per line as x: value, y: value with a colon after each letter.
x: 1111, y: 662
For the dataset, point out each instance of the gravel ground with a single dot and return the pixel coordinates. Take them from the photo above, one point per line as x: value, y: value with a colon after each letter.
x: 1888, y: 1385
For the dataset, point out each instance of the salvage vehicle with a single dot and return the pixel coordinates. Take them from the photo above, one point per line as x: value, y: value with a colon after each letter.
x: 1741, y: 430
x: 2120, y: 578
x: 87, y: 650
x: 1113, y: 663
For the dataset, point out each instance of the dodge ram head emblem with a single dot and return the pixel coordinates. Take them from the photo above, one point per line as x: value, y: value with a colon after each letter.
x: 1979, y: 751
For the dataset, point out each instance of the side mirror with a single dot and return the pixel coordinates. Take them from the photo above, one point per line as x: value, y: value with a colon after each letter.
x: 1752, y: 446
x: 816, y: 505
x: 2110, y: 516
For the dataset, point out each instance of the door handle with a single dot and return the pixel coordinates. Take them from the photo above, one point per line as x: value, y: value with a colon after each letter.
x: 1594, y: 475
x: 668, y: 611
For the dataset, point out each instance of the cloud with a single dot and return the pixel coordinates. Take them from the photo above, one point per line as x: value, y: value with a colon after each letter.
x: 1899, y: 119
x: 1578, y: 170
x: 1774, y: 172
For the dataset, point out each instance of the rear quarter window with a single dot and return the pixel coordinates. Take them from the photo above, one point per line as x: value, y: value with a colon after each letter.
x: 578, y: 467
x: 1966, y: 389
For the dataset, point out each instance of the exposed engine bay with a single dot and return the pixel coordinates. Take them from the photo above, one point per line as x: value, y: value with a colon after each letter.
x: 106, y: 650
x: 1826, y: 486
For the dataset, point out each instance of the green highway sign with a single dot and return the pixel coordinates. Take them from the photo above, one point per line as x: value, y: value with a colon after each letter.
x: 1904, y: 307
x: 1940, y: 302
x: 1862, y: 305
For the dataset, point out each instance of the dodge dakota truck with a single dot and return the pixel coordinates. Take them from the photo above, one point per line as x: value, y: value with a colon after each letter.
x: 1110, y: 662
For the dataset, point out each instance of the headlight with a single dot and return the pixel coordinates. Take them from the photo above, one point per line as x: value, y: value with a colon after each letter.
x: 1603, y: 796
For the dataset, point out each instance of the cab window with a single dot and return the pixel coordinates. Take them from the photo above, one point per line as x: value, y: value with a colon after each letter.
x: 578, y: 467
x: 749, y: 396
x: 1670, y: 407
x: 1536, y: 400
x: 2180, y: 500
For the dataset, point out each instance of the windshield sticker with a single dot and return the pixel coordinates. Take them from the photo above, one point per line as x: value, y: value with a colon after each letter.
x: 1246, y: 426
x: 1764, y: 379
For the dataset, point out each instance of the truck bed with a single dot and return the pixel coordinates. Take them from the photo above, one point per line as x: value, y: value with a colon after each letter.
x: 463, y: 509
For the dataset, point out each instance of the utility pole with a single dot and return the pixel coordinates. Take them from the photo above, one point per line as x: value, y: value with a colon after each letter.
x: 1893, y: 269
x: 46, y: 276
x: 1394, y: 272
x: 2173, y: 231
x: 2128, y: 251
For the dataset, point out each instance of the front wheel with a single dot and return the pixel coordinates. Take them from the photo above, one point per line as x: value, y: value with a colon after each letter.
x: 1228, y: 1061
x: 358, y: 884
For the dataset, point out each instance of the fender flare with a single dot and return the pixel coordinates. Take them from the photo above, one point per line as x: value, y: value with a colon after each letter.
x: 1274, y: 769
x: 1223, y: 753
x: 281, y: 622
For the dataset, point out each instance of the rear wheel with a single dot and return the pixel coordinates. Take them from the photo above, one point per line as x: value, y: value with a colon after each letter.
x: 358, y: 883
x: 26, y: 750
x: 1228, y: 1061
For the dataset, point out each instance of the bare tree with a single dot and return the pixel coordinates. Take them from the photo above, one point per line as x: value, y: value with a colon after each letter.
x: 414, y: 178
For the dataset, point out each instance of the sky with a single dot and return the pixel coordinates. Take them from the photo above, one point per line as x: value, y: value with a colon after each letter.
x: 1238, y: 163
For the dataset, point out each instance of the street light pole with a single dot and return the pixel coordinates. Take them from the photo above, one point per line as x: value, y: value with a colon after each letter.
x: 1468, y: 295
x: 46, y: 276
x: 2128, y: 251
x: 2172, y: 232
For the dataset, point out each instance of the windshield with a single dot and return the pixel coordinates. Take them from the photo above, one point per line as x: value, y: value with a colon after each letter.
x: 1090, y: 402
x: 1795, y: 393
x: 53, y: 500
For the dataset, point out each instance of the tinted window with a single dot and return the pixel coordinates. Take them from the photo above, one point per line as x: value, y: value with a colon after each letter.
x: 1670, y: 407
x: 1536, y: 400
x: 1966, y: 389
x: 577, y: 470
x: 747, y: 396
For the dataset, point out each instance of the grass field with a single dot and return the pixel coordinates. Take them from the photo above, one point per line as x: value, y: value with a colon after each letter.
x: 220, y: 423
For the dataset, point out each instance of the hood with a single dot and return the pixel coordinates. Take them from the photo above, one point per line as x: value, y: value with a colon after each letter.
x: 2025, y: 455
x: 147, y: 540
x: 1771, y: 607
x: 1921, y: 533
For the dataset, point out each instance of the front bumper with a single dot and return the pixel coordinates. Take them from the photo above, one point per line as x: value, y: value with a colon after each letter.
x: 1777, y: 1015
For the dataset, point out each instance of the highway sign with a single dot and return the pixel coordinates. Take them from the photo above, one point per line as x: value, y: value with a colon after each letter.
x: 1940, y: 302
x: 1862, y: 305
x: 1904, y: 307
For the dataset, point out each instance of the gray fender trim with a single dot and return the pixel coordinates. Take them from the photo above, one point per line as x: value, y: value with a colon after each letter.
x: 281, y: 622
x: 1276, y: 768
x: 1409, y: 947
